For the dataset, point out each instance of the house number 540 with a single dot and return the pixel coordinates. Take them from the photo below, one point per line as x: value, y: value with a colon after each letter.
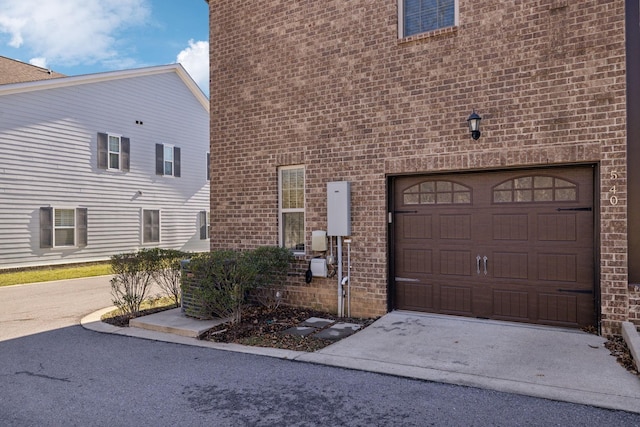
x: 613, y: 199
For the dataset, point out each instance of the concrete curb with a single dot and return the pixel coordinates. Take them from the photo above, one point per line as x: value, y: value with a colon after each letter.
x: 632, y: 338
x: 92, y: 322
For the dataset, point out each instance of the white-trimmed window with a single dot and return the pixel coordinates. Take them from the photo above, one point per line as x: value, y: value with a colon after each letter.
x: 63, y: 227
x: 291, y: 207
x: 422, y: 16
x: 150, y: 226
x: 113, y: 152
x: 205, y: 224
x: 167, y: 160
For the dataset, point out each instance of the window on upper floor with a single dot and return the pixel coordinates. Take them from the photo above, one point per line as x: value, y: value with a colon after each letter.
x: 167, y: 160
x: 63, y: 227
x: 113, y: 152
x: 421, y: 16
x: 150, y: 226
x: 291, y: 203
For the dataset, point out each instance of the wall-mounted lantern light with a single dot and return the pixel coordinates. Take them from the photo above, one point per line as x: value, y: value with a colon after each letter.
x: 474, y: 125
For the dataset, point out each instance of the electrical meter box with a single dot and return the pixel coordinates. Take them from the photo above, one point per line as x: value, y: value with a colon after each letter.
x: 319, y: 267
x: 339, y: 208
x: 319, y: 240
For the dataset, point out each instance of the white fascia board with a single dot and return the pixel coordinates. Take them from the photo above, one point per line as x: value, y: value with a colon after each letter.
x: 60, y: 82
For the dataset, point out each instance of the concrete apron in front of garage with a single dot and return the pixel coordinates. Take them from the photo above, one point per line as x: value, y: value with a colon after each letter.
x: 555, y: 363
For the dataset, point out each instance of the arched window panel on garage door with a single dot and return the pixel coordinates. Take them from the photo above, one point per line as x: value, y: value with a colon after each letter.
x: 437, y: 193
x: 535, y: 189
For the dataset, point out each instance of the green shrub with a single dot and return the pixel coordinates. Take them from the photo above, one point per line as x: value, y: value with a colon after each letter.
x: 166, y: 271
x: 272, y: 264
x: 132, y: 279
x: 220, y: 281
x: 222, y: 278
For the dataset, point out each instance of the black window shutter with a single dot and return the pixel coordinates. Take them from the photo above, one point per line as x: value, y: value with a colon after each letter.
x: 125, y: 147
x: 208, y: 166
x: 46, y: 227
x: 103, y: 150
x: 81, y: 226
x: 203, y: 225
x: 159, y: 159
x: 176, y: 161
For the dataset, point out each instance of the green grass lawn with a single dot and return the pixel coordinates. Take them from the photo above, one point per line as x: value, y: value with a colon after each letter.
x: 151, y: 304
x: 53, y: 273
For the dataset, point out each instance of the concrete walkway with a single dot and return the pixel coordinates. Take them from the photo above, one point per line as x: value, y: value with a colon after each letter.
x: 553, y: 363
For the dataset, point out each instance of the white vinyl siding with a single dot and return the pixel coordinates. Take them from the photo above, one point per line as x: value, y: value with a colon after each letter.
x: 69, y: 119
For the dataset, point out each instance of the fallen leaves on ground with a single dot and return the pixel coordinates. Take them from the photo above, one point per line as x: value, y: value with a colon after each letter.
x: 618, y: 348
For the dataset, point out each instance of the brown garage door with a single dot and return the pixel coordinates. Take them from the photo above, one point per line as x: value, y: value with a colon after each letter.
x: 503, y: 245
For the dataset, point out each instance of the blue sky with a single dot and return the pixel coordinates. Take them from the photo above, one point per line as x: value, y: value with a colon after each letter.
x: 76, y: 37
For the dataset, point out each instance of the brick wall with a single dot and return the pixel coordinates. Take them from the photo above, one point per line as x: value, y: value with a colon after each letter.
x: 329, y: 85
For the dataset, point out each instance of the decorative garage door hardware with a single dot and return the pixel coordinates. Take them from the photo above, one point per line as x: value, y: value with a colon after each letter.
x: 574, y: 209
x: 577, y: 291
x: 485, y: 258
x: 404, y: 212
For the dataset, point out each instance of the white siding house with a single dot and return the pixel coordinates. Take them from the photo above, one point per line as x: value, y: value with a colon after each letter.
x: 101, y: 164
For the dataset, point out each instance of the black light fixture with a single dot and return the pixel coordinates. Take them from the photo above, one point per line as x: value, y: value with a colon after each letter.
x: 474, y: 125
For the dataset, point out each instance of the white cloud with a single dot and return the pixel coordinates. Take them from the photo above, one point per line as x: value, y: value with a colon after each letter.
x: 39, y: 62
x: 12, y: 26
x: 195, y: 59
x: 70, y: 32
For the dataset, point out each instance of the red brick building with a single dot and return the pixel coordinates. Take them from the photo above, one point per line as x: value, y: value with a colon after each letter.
x: 534, y: 221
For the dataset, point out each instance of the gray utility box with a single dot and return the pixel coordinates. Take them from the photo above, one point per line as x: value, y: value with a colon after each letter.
x: 339, y: 208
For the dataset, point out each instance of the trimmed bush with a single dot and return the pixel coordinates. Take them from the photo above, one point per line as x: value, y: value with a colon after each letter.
x: 221, y: 281
x: 218, y: 283
x: 272, y: 263
x: 132, y: 279
x: 166, y: 271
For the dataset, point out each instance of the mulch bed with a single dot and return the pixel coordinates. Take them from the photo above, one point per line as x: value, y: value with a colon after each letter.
x: 263, y: 327
x: 123, y: 320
